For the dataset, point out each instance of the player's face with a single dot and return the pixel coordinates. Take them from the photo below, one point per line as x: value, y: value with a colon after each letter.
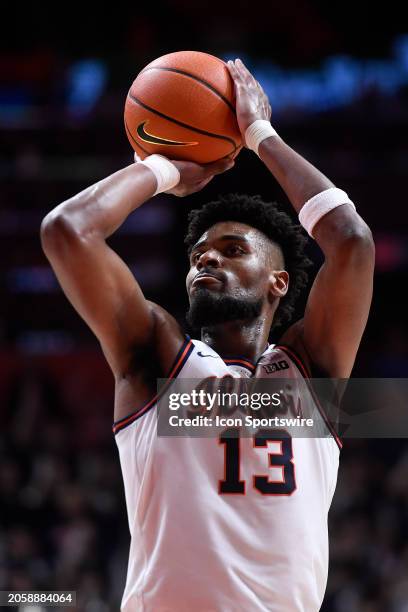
x: 233, y: 259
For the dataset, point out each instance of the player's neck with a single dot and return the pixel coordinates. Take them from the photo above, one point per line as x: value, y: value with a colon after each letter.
x: 238, y: 338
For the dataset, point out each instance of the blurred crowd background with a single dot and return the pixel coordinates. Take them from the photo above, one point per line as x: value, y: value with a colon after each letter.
x: 337, y: 77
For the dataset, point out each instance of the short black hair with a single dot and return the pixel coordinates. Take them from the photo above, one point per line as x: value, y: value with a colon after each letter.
x: 268, y: 218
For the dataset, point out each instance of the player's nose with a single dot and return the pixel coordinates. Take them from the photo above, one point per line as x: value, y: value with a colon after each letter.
x: 209, y: 258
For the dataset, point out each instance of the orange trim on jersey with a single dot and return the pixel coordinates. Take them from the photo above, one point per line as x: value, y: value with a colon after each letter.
x: 181, y: 358
x: 243, y: 362
x: 306, y: 374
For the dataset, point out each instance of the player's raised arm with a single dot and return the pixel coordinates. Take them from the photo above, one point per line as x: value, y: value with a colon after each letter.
x: 338, y: 305
x: 96, y: 281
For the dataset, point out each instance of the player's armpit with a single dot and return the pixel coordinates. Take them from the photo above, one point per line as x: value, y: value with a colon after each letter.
x: 103, y: 291
x: 339, y: 301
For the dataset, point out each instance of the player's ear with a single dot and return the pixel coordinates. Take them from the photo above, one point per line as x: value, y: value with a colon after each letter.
x: 278, y: 283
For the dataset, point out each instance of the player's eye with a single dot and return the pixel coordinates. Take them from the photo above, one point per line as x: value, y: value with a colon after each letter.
x: 235, y: 249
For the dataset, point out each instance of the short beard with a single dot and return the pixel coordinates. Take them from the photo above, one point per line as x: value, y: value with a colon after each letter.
x: 208, y: 309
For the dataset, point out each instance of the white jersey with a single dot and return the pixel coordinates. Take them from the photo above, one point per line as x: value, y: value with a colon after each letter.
x: 204, y: 540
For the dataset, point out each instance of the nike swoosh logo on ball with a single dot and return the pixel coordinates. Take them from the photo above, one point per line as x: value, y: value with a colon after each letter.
x: 146, y: 137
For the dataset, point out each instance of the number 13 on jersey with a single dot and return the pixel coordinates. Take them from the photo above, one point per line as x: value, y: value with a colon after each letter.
x: 279, y: 460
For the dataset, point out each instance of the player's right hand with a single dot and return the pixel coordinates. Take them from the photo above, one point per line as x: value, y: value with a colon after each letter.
x: 193, y: 177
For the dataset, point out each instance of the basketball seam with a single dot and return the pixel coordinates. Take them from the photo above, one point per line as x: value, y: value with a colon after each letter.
x: 196, y: 78
x: 180, y: 123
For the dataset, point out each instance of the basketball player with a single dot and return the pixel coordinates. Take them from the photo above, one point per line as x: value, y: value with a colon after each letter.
x: 217, y: 525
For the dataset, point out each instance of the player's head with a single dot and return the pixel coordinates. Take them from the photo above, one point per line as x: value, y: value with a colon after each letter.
x: 250, y: 250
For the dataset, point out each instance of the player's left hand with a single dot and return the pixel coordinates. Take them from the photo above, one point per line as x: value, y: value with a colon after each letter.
x: 251, y: 101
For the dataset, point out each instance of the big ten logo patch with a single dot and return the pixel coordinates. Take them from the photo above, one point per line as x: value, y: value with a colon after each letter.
x: 276, y: 366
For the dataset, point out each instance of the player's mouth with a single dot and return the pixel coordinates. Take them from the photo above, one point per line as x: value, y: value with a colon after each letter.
x: 206, y: 278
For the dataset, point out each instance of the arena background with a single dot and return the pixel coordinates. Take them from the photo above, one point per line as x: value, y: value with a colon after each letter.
x: 337, y: 77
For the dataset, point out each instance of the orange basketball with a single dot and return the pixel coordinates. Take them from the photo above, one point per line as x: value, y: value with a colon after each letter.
x: 182, y: 106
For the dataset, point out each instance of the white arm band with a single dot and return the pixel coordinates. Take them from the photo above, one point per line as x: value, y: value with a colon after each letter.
x: 257, y: 132
x: 166, y: 173
x: 322, y: 203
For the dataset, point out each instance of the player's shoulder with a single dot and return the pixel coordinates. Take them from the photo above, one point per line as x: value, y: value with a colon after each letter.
x: 168, y: 336
x: 293, y: 339
x: 161, y: 317
x: 166, y: 327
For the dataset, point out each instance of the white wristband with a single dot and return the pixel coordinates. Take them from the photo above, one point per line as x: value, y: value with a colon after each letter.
x: 322, y: 203
x: 257, y: 132
x: 166, y: 173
